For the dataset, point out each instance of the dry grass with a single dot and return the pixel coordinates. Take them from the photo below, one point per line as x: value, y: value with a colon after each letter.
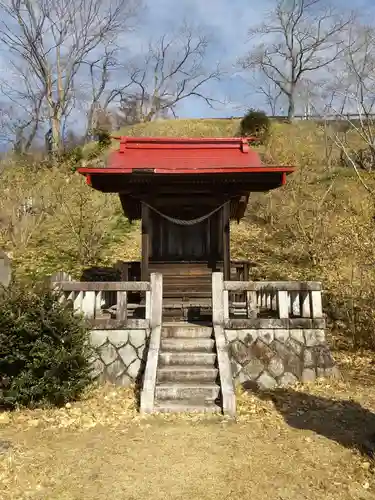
x: 305, y: 443
x: 184, y: 128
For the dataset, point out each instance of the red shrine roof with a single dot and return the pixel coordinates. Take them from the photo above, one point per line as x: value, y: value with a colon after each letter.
x: 181, y: 174
x: 184, y: 156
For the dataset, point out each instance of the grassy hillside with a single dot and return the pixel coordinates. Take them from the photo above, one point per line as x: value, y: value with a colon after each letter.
x: 319, y: 226
x: 184, y: 128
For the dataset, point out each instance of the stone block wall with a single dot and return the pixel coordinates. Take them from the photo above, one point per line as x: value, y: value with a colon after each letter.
x: 270, y: 358
x: 121, y: 355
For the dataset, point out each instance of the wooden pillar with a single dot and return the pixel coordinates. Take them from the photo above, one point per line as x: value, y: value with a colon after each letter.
x: 145, y: 242
x: 226, y: 240
x: 212, y: 239
x: 246, y: 271
x: 124, y: 270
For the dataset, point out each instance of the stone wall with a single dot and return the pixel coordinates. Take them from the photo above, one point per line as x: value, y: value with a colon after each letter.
x: 121, y: 355
x: 268, y: 358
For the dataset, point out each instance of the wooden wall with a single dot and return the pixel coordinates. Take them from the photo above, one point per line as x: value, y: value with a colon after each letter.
x: 173, y: 242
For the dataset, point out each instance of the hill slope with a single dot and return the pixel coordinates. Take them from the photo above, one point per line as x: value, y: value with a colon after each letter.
x: 184, y: 128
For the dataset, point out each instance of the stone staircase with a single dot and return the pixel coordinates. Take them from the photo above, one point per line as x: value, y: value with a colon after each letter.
x: 187, y: 377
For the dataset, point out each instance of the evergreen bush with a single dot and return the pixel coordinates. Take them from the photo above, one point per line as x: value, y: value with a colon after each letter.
x: 255, y: 123
x: 103, y: 137
x: 44, y: 349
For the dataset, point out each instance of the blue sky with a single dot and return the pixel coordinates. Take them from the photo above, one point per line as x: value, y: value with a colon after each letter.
x: 228, y: 21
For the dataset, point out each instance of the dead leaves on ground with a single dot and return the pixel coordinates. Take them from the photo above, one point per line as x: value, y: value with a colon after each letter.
x: 115, y: 406
x: 107, y: 405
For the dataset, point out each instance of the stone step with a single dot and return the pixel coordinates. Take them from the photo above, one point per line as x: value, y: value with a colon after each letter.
x: 187, y: 280
x: 187, y: 391
x: 179, y: 406
x: 178, y: 314
x: 186, y: 330
x: 187, y: 294
x: 186, y: 303
x: 187, y: 358
x: 188, y: 285
x: 187, y: 373
x: 187, y: 344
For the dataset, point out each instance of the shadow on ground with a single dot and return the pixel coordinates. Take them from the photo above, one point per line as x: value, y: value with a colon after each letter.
x: 344, y: 421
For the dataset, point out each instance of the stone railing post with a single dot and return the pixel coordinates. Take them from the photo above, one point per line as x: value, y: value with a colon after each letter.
x: 218, y: 306
x: 220, y: 315
x: 305, y: 300
x: 156, y: 316
x: 282, y: 304
x: 156, y: 299
x: 316, y: 304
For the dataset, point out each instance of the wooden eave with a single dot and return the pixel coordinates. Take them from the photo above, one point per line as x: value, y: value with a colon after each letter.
x: 206, y: 170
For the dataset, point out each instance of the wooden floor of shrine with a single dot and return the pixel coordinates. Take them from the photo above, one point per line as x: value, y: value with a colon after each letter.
x: 187, y: 289
x: 187, y: 286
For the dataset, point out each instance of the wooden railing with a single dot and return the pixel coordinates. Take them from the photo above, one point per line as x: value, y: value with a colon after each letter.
x: 274, y: 299
x: 283, y: 301
x: 105, y: 304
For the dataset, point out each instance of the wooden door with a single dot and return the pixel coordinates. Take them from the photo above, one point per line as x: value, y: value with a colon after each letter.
x: 171, y: 242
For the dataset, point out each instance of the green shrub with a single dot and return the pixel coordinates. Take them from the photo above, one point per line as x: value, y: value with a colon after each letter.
x: 44, y: 349
x: 103, y: 138
x: 72, y: 157
x: 255, y: 123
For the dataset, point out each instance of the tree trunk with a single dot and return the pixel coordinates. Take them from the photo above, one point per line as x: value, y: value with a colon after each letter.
x: 54, y: 113
x: 31, y: 136
x: 90, y: 123
x: 56, y: 132
x: 291, y: 106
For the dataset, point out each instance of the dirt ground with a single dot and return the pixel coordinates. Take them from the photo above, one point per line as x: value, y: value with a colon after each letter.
x: 308, y: 442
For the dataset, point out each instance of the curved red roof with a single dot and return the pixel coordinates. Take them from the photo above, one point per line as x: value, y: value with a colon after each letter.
x: 184, y: 156
x: 167, y: 169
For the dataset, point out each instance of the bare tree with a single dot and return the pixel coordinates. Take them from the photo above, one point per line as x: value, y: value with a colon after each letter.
x: 309, y: 96
x: 173, y: 70
x: 19, y: 130
x: 23, y: 112
x: 355, y: 94
x: 272, y: 95
x: 335, y: 90
x: 54, y: 37
x: 351, y: 89
x: 134, y: 108
x: 270, y: 92
x: 104, y: 74
x: 360, y: 70
x: 301, y: 38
